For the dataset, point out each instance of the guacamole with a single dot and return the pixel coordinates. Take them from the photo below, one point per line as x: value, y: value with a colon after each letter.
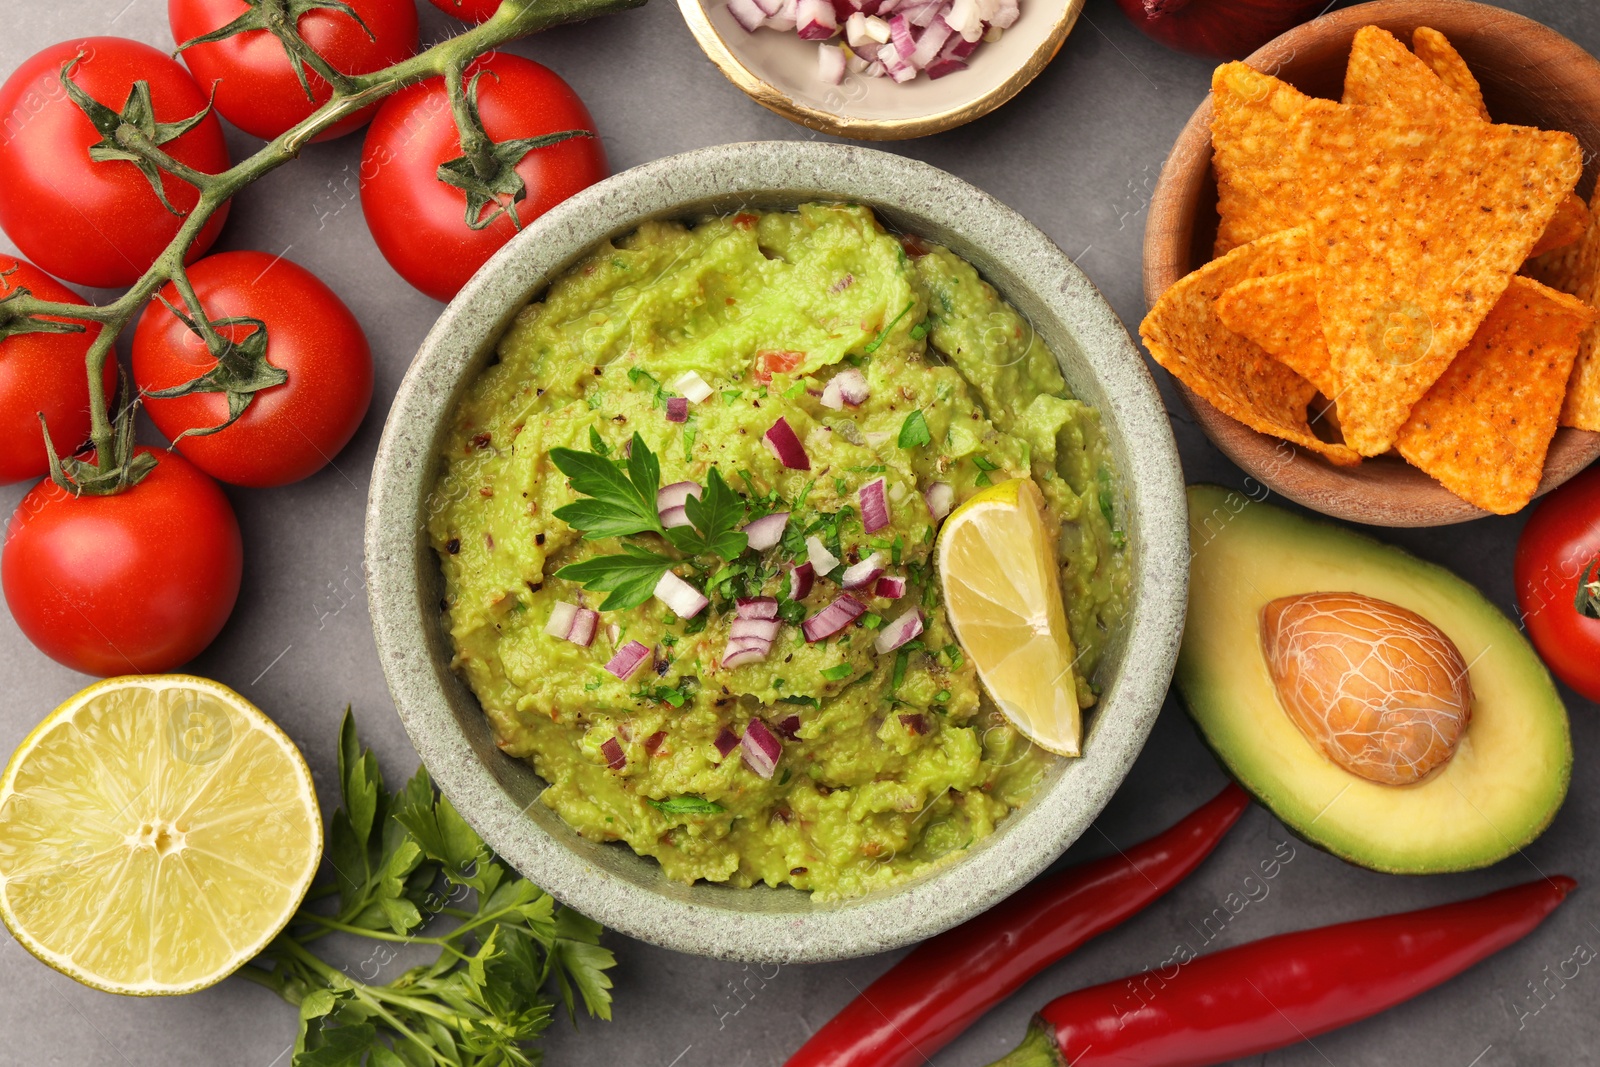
x: 888, y: 762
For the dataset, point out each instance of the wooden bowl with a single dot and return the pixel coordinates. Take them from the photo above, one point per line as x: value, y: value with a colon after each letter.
x: 779, y: 72
x: 1530, y: 75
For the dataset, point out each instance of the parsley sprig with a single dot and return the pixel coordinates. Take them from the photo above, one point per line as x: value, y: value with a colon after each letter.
x: 622, y: 503
x: 397, y: 862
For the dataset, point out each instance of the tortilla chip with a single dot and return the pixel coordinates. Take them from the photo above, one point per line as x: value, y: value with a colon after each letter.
x: 1382, y: 72
x: 1279, y: 313
x: 1252, y: 136
x: 1441, y: 57
x: 1483, y: 429
x: 1575, y: 269
x: 1421, y: 227
x: 1233, y: 374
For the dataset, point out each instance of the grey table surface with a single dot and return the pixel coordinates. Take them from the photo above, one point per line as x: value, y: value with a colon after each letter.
x: 1078, y: 153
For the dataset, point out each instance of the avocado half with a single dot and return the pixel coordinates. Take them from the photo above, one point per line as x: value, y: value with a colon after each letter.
x: 1510, y: 772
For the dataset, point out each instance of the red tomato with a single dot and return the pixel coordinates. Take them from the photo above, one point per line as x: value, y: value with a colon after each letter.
x: 418, y: 221
x: 771, y: 362
x: 257, y: 89
x: 289, y: 431
x: 43, y: 372
x: 468, y: 10
x: 135, y: 583
x: 98, y: 224
x: 1559, y: 546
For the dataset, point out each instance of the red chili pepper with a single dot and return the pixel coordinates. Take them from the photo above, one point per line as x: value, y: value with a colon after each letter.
x: 927, y: 999
x: 1281, y: 990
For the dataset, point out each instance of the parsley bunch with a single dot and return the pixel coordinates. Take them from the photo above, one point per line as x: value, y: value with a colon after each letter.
x: 397, y: 861
x: 622, y: 503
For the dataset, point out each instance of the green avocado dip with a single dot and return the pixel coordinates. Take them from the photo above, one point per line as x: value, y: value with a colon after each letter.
x: 824, y: 764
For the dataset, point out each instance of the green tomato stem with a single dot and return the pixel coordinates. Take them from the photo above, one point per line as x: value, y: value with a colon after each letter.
x: 351, y: 93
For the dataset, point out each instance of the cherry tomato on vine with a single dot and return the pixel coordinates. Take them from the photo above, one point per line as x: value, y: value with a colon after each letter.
x: 1557, y: 574
x: 257, y: 87
x: 99, y: 223
x: 43, y: 373
x: 289, y: 431
x: 135, y: 583
x: 418, y: 221
x: 468, y: 10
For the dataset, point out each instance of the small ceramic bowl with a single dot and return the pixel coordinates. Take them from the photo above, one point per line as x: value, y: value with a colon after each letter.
x: 779, y: 71
x: 499, y: 795
x: 1530, y: 75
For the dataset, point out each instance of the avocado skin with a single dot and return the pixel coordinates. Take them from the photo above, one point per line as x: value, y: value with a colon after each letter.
x: 1538, y: 694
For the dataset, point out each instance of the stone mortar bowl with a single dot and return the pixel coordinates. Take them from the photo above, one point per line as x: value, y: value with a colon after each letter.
x: 499, y: 795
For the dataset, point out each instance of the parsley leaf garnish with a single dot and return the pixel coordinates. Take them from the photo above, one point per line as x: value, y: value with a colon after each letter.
x: 913, y: 432
x: 623, y: 496
x: 715, y: 517
x: 399, y: 862
x: 630, y: 577
x: 873, y: 345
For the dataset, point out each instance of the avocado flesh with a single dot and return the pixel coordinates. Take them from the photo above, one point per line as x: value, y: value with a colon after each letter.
x: 1496, y: 794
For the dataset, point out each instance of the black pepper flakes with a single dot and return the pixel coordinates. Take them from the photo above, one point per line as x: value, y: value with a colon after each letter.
x: 453, y: 545
x: 538, y: 539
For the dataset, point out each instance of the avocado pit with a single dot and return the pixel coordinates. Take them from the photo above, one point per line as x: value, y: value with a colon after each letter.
x: 1380, y: 690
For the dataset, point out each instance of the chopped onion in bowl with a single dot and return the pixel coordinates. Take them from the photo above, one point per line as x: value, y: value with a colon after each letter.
x: 757, y: 607
x: 833, y: 618
x: 874, y: 505
x: 765, y: 630
x: 628, y: 660
x: 677, y: 409
x: 692, y: 386
x: 671, y: 496
x: 830, y: 63
x: 899, y: 632
x: 781, y: 439
x: 766, y: 531
x: 572, y: 623
x: 761, y: 748
x: 674, y: 517
x: 940, y: 497
x: 561, y: 616
x: 860, y: 574
x: 890, y: 588
x: 737, y: 657
x: 684, y: 599
x: 832, y: 397
x: 800, y: 578
x: 817, y: 554
x: 727, y: 740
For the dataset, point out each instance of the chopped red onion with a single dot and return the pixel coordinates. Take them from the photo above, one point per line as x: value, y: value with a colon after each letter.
x: 677, y: 409
x: 853, y: 386
x: 616, y: 759
x: 800, y: 579
x: 674, y: 517
x: 900, y: 34
x: 757, y: 607
x: 899, y: 632
x: 833, y: 618
x: 628, y: 659
x: 766, y: 531
x: 671, y: 496
x: 788, y: 728
x: 874, y: 506
x: 890, y: 588
x: 940, y: 497
x: 1006, y: 14
x: 561, y: 619
x: 726, y: 741
x: 761, y: 629
x: 689, y: 383
x: 737, y: 657
x: 862, y: 573
x: 815, y: 20
x: 830, y: 63
x: 877, y: 29
x: 684, y: 599
x: 928, y: 45
x: 748, y: 14
x: 770, y: 7
x: 942, y: 66
x: 584, y: 627
x: 832, y: 397
x: 818, y: 556
x: 781, y: 439
x: 761, y: 748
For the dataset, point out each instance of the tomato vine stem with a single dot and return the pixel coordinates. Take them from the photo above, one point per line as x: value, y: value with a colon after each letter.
x: 351, y: 93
